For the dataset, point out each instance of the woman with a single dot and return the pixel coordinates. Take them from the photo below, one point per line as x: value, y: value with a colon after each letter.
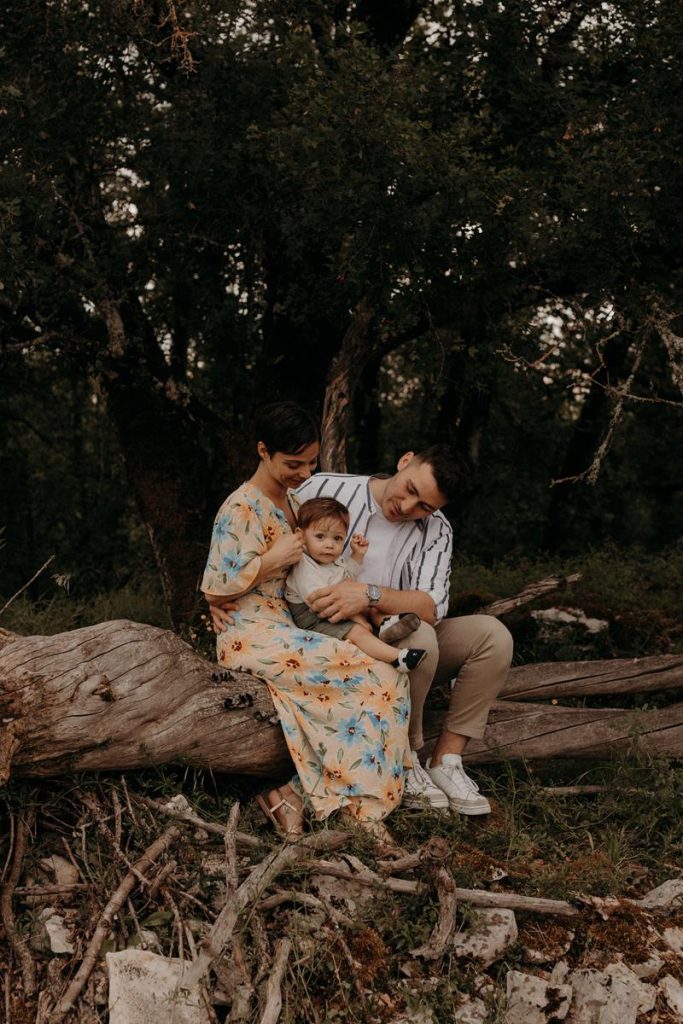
x: 344, y: 716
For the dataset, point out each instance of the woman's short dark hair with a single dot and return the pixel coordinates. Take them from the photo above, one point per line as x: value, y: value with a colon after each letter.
x: 285, y: 427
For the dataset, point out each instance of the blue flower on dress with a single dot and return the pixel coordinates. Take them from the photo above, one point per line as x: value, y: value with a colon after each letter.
x: 350, y: 730
x: 222, y: 527
x: 402, y: 711
x: 373, y: 756
x: 309, y: 640
x: 350, y: 683
x: 232, y: 561
x: 290, y: 730
x: 352, y: 789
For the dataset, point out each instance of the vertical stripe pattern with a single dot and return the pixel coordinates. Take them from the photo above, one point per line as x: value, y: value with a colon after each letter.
x: 423, y: 561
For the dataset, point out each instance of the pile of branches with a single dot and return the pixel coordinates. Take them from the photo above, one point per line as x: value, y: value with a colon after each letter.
x: 230, y: 923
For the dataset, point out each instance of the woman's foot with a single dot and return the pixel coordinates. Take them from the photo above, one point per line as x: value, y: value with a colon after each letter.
x: 284, y: 809
x: 409, y: 658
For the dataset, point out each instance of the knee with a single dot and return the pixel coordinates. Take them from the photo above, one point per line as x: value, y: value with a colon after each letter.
x: 424, y: 637
x: 498, y: 638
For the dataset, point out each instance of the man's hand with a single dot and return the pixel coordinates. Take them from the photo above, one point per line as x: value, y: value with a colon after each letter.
x: 340, y: 601
x: 359, y: 546
x: 221, y: 609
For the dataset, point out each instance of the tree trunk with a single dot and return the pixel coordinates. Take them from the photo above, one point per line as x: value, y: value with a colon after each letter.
x: 571, y: 513
x: 123, y: 695
x: 345, y: 372
x: 166, y: 461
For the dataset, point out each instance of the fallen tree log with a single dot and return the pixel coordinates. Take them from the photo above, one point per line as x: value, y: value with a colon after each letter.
x: 124, y: 695
x: 590, y: 678
x: 527, y: 731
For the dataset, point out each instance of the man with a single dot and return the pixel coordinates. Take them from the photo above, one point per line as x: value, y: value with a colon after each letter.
x: 405, y: 575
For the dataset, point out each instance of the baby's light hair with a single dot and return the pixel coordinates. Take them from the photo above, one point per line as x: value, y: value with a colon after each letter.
x: 316, y: 509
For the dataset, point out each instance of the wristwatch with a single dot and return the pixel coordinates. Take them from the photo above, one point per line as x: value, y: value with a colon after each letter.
x: 374, y: 593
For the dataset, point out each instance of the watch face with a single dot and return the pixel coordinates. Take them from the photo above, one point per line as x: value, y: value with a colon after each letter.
x: 374, y: 593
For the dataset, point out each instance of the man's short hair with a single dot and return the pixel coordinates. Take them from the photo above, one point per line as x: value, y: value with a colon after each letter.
x: 448, y: 467
x: 316, y: 509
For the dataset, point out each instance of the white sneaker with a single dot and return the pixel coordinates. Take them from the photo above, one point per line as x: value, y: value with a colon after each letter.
x: 463, y: 794
x: 419, y: 791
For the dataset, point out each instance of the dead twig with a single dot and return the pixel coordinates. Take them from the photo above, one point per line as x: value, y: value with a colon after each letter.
x: 180, y: 808
x: 338, y: 935
x: 273, y: 1004
x: 306, y: 899
x: 118, y: 832
x: 250, y: 891
x: 50, y: 890
x: 264, y: 956
x: 530, y: 593
x: 116, y: 901
x: 161, y: 877
x: 16, y: 940
x: 28, y: 584
x: 475, y: 897
x: 436, y: 854
x: 243, y: 990
x: 94, y: 806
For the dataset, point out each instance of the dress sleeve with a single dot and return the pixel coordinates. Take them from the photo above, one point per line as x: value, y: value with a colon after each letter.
x: 237, y: 543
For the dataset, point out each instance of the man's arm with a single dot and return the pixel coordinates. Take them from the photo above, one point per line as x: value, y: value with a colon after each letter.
x: 351, y: 598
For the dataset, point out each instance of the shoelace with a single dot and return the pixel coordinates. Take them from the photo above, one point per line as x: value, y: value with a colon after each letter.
x: 421, y: 777
x: 462, y: 774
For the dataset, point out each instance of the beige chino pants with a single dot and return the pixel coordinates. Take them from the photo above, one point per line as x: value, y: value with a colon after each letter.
x: 477, y: 649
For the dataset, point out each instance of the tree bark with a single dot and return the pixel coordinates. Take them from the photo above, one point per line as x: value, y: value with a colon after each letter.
x: 123, y: 695
x: 345, y: 372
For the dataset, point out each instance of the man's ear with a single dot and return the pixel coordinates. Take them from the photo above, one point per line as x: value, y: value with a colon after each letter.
x: 404, y: 460
x: 261, y: 450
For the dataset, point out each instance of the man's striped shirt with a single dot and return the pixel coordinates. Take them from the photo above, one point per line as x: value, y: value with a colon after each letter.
x: 421, y: 558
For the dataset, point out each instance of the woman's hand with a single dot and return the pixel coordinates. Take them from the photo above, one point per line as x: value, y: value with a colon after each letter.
x: 287, y: 550
x: 221, y: 609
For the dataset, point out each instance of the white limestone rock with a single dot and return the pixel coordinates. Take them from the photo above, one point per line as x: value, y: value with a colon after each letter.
x: 672, y: 991
x: 559, y: 973
x: 668, y: 894
x: 348, y: 895
x: 570, y: 617
x: 58, y: 936
x: 673, y: 937
x: 423, y: 1015
x: 472, y: 1011
x: 535, y: 953
x: 65, y: 873
x: 647, y: 968
x: 489, y: 937
x: 531, y: 1000
x: 145, y: 988
x: 613, y: 996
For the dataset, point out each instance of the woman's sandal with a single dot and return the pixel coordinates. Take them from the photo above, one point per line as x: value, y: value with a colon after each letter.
x: 286, y: 818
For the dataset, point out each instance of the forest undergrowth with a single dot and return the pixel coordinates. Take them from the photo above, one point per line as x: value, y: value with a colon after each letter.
x: 352, y: 948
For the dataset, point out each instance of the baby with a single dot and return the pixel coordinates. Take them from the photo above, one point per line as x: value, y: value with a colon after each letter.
x: 323, y: 524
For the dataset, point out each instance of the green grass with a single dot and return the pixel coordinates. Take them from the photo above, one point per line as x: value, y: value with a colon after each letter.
x: 619, y: 843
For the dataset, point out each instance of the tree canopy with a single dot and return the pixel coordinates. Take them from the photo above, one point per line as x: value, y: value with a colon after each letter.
x: 428, y: 221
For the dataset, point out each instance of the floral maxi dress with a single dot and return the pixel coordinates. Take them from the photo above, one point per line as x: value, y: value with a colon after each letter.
x: 344, y: 715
